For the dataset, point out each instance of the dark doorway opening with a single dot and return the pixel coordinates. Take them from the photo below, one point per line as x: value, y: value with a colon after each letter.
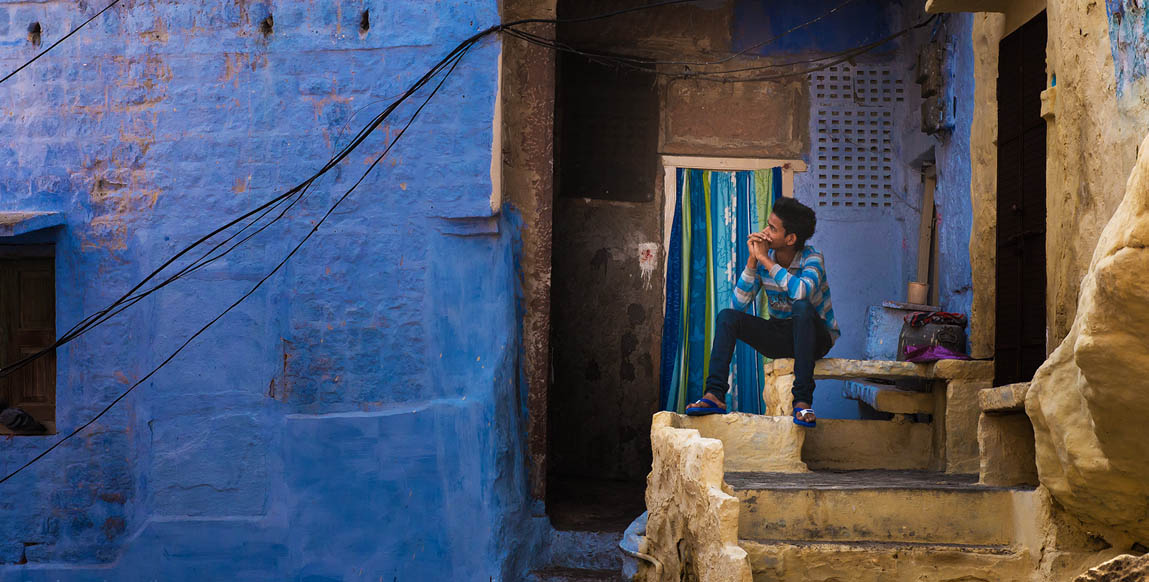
x: 605, y: 317
x: 1021, y: 331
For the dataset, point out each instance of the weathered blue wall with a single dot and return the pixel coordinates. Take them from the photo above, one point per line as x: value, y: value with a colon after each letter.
x: 952, y: 155
x: 356, y: 418
x: 1128, y: 40
x: 850, y: 25
x: 870, y: 253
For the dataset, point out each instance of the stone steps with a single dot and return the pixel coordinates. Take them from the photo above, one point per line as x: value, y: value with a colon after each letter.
x: 585, y: 550
x: 559, y: 574
x: 807, y: 561
x: 873, y: 506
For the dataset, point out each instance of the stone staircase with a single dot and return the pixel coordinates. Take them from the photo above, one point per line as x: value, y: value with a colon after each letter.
x: 747, y: 497
x: 580, y: 556
x: 877, y: 525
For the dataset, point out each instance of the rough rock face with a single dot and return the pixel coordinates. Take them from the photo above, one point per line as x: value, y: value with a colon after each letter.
x: 1088, y: 401
x: 1125, y: 568
x: 692, y: 528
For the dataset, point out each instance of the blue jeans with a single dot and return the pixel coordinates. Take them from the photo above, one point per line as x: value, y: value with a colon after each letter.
x: 803, y: 336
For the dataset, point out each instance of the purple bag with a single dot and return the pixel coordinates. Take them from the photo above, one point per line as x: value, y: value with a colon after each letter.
x: 922, y: 354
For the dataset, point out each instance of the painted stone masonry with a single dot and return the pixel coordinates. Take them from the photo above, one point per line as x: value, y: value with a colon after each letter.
x: 359, y: 416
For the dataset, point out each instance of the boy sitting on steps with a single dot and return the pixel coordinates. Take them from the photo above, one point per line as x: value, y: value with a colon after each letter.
x: 801, y: 324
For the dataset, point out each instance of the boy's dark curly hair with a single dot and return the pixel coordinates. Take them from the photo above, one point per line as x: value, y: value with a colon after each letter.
x: 796, y: 218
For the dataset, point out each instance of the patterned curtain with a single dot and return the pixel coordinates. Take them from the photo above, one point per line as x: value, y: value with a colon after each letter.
x: 714, y: 213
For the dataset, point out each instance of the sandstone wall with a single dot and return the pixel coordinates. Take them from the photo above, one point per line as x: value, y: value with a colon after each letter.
x: 693, y: 526
x: 1091, y: 146
x: 1087, y: 401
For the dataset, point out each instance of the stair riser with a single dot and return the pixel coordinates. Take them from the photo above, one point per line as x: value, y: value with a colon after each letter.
x: 782, y: 562
x: 891, y: 515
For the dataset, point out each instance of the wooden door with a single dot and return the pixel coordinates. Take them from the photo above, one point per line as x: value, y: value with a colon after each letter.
x: 1021, y: 331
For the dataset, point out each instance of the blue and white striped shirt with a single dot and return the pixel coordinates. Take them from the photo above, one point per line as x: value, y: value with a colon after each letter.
x: 804, y: 279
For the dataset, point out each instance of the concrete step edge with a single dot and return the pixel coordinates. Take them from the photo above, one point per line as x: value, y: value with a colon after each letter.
x: 840, y: 546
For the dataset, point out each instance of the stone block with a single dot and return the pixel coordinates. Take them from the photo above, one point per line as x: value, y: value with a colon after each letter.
x: 846, y: 369
x: 962, y: 369
x: 194, y: 472
x: 777, y: 396
x: 1006, y: 445
x: 11, y: 552
x: 867, y: 444
x: 1119, y: 569
x: 692, y: 527
x: 752, y: 442
x: 873, y: 562
x: 1003, y: 399
x: 961, y: 422
x: 696, y: 118
x: 890, y: 399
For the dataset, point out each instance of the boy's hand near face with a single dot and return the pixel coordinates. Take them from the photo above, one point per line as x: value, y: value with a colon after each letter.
x: 758, y: 246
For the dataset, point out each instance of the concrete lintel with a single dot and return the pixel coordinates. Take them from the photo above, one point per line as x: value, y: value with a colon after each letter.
x: 18, y: 223
x: 941, y: 6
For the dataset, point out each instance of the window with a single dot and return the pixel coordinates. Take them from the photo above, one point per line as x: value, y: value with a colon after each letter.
x: 28, y: 325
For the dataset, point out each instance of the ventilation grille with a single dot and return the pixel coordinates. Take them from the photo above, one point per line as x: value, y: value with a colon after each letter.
x: 853, y: 107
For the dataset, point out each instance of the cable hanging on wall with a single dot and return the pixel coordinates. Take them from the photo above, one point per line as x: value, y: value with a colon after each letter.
x: 283, y: 203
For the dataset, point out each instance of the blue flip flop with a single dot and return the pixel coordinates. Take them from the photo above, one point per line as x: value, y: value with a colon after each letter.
x: 704, y: 407
x: 799, y: 412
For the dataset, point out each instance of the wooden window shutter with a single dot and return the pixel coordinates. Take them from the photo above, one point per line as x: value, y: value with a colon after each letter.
x: 27, y: 326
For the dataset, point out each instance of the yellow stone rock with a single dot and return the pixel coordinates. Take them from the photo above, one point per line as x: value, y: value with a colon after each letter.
x: 692, y: 525
x: 846, y: 445
x: 752, y: 442
x: 824, y: 562
x: 846, y: 369
x: 891, y: 399
x: 1008, y: 398
x: 961, y: 419
x: 777, y: 396
x: 1120, y: 569
x: 1006, y: 450
x: 962, y: 369
x: 1088, y: 401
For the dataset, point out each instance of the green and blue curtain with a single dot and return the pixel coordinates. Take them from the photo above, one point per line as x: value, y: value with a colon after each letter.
x: 714, y: 214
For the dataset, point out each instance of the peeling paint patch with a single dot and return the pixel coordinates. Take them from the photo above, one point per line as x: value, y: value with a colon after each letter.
x: 1128, y: 39
x: 647, y: 261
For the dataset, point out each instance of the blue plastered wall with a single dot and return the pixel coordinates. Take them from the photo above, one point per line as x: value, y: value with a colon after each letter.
x: 1128, y: 40
x: 952, y: 154
x: 871, y: 254
x: 358, y: 417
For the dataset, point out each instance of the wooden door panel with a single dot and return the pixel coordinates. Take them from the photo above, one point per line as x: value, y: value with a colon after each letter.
x: 28, y: 326
x: 1021, y: 207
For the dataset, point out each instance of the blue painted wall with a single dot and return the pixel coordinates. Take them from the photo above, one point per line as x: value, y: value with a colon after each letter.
x: 357, y: 417
x: 952, y: 194
x: 1129, y: 40
x: 870, y: 253
x: 856, y: 23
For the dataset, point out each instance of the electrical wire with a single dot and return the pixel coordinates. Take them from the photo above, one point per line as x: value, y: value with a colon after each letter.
x: 453, y: 61
x: 723, y: 75
x: 647, y: 61
x: 448, y: 63
x: 53, y: 45
x: 130, y: 298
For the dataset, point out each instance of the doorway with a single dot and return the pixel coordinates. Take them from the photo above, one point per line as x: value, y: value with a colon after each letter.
x: 606, y: 309
x: 1021, y: 331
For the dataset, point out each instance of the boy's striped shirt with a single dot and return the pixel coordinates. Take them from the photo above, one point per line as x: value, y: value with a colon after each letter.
x: 804, y: 279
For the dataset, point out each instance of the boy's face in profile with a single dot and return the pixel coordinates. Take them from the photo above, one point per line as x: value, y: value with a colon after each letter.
x: 775, y: 232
